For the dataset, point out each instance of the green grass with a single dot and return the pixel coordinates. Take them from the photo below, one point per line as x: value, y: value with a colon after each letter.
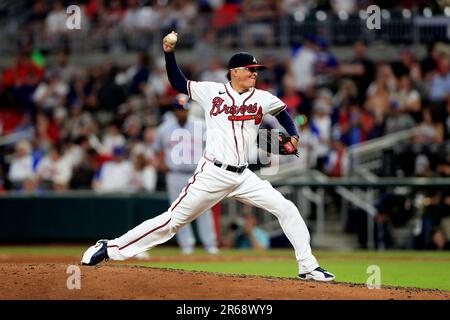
x: 398, y: 268
x: 404, y: 273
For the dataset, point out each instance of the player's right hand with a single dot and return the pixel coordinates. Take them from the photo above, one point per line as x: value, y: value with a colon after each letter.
x: 168, y: 46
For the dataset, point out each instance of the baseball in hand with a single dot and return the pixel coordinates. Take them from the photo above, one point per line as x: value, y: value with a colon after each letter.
x: 172, y: 38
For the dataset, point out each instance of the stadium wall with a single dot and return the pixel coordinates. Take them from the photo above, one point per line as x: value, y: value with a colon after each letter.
x: 74, y: 217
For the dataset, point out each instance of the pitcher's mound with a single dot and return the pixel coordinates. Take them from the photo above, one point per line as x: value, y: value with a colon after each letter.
x: 52, y: 281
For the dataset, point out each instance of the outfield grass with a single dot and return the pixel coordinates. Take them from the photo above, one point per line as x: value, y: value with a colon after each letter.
x: 398, y: 268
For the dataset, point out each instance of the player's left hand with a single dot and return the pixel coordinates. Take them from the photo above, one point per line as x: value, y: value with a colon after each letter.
x: 279, y: 144
x: 287, y: 144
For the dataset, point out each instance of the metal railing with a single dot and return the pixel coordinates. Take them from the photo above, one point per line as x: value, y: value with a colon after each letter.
x: 307, y: 190
x: 367, y: 158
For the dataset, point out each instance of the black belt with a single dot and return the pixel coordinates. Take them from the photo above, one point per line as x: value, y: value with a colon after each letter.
x: 229, y: 168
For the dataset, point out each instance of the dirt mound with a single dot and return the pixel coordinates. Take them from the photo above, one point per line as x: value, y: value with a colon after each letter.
x: 49, y: 281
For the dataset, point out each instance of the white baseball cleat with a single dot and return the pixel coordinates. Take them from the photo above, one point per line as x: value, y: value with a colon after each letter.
x: 95, y: 254
x: 318, y: 274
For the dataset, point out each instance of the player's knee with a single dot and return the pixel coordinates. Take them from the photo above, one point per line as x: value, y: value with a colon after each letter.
x: 174, y: 226
x: 284, y: 207
x: 288, y: 209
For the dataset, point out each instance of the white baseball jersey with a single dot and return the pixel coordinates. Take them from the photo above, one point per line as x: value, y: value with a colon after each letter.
x: 232, y: 119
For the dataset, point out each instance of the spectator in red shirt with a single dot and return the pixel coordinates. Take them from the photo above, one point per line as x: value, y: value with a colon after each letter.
x: 94, y: 10
x: 224, y: 21
x: 21, y: 70
x: 47, y: 133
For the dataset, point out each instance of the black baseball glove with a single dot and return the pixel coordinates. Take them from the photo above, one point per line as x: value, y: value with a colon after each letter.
x: 279, y: 144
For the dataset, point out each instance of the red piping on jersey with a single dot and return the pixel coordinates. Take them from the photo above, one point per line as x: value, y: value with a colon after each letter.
x: 189, y: 89
x: 232, y: 124
x: 210, y: 160
x: 235, y: 142
x: 242, y: 126
x: 163, y: 225
x: 249, y: 96
x: 187, y: 187
x: 143, y: 236
x: 242, y: 135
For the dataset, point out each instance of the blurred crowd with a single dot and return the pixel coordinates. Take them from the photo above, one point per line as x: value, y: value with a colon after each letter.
x: 122, y: 25
x: 350, y: 102
x: 82, y: 122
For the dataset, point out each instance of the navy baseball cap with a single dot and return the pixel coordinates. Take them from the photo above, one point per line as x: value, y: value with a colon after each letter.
x: 244, y: 59
x: 181, y: 102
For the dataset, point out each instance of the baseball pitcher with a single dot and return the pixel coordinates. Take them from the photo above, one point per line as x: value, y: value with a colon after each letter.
x: 233, y: 114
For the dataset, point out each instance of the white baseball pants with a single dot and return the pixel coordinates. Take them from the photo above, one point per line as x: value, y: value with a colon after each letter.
x: 209, y: 185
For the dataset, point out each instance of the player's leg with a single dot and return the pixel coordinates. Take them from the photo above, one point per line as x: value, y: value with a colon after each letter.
x: 207, y: 232
x: 204, y: 190
x: 141, y: 238
x: 254, y: 191
x: 175, y: 187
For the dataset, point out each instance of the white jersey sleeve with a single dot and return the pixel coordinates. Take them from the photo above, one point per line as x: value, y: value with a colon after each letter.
x: 203, y: 91
x: 274, y: 105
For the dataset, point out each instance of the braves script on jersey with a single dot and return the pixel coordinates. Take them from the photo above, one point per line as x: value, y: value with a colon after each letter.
x: 232, y: 119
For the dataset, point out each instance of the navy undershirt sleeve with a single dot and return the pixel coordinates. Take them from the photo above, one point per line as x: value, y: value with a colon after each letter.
x: 175, y: 75
x: 286, y: 121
